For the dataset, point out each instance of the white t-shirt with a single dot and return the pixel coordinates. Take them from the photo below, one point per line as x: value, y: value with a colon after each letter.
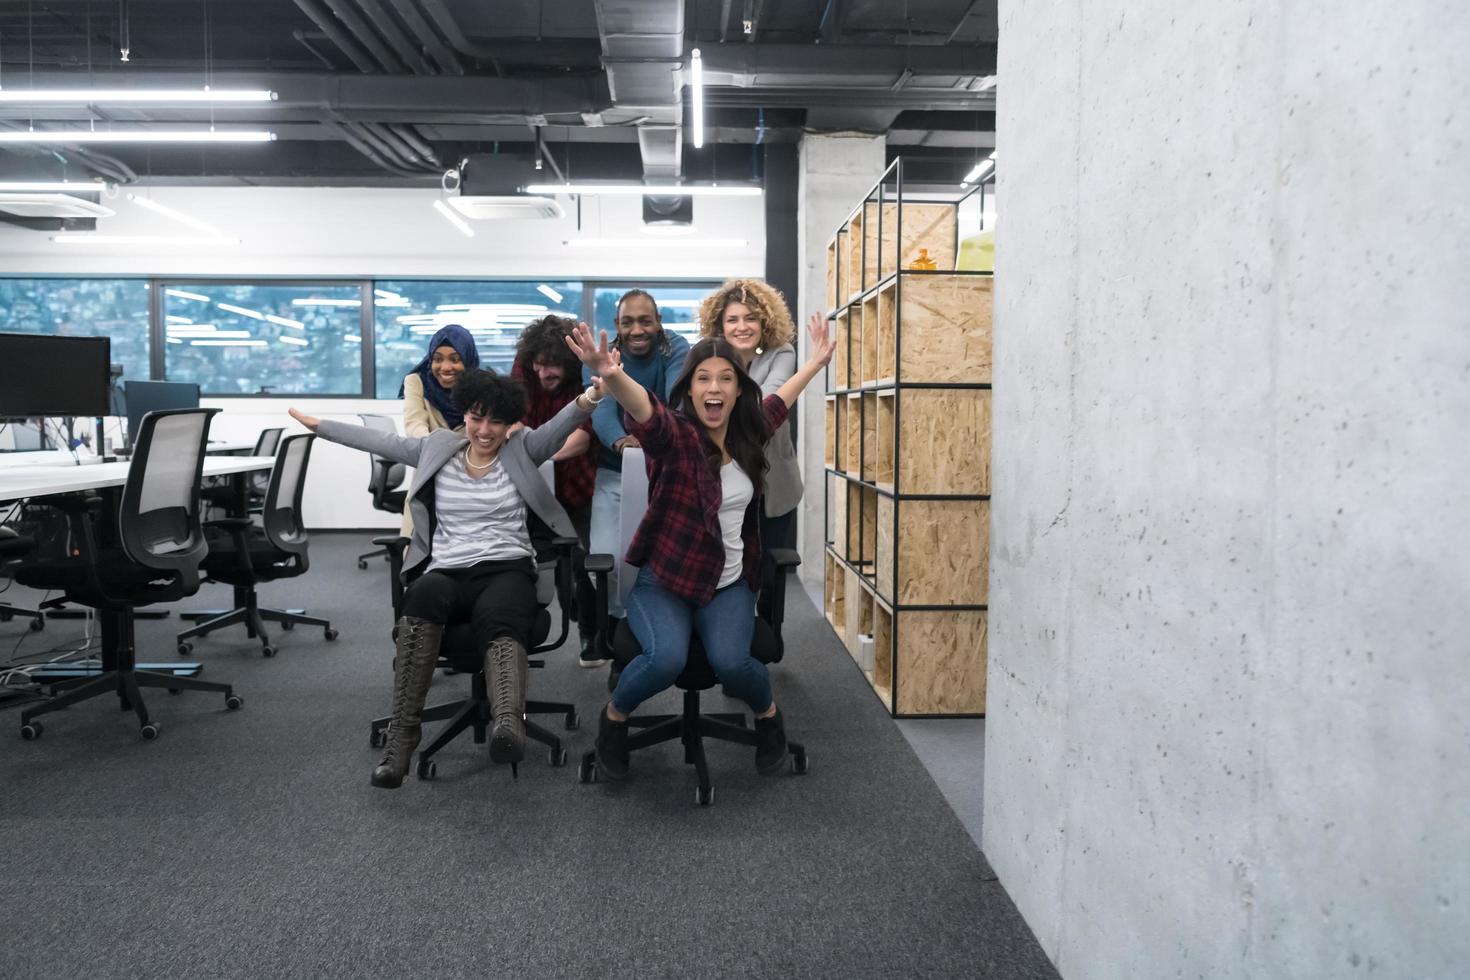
x: 735, y: 493
x: 477, y: 520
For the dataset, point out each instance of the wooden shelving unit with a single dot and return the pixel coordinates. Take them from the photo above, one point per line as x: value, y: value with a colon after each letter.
x: 908, y: 408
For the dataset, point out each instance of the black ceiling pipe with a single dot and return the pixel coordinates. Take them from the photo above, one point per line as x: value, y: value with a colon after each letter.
x: 402, y: 46
x: 349, y: 16
x: 322, y: 18
x: 428, y: 37
x: 362, y: 145
x: 567, y: 52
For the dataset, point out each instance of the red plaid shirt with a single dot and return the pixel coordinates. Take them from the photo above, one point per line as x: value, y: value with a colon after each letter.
x: 679, y: 538
x: 576, y: 477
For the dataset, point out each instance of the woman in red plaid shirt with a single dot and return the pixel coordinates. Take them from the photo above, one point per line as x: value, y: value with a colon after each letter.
x: 698, y: 546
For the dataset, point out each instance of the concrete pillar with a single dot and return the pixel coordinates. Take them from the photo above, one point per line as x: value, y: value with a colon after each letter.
x: 1229, y: 686
x: 835, y: 172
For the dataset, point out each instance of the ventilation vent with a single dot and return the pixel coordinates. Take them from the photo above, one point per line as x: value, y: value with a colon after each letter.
x: 506, y: 207
x: 34, y: 205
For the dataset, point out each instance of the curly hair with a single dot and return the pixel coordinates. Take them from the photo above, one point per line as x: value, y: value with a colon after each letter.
x: 545, y: 340
x: 766, y: 300
x: 497, y: 396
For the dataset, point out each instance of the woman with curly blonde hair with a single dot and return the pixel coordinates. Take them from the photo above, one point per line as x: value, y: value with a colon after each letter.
x: 752, y: 317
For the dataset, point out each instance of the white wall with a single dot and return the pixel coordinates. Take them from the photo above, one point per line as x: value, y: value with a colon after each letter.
x: 1229, y: 685
x: 357, y: 232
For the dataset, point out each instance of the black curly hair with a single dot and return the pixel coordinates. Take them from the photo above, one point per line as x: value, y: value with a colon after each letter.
x: 545, y: 340
x: 497, y: 396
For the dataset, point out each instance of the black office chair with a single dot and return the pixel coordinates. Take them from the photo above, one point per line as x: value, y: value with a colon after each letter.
x: 147, y: 551
x: 14, y: 545
x: 691, y: 727
x: 223, y: 495
x: 458, y: 651
x: 383, y: 480
x: 242, y: 554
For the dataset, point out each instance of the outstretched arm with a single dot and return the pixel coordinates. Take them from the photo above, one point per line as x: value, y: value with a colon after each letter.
x: 823, y: 343
x: 389, y: 445
x: 608, y: 365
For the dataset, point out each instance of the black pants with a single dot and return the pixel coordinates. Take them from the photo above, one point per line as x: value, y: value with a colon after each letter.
x: 584, y: 603
x: 497, y: 597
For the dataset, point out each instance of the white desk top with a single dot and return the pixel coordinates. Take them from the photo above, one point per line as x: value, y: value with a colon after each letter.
x: 17, y: 482
x: 226, y: 446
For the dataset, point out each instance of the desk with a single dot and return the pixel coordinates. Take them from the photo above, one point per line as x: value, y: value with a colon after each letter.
x: 18, y: 482
x: 224, y: 447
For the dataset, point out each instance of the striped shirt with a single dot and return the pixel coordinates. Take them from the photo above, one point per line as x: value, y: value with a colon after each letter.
x: 477, y: 519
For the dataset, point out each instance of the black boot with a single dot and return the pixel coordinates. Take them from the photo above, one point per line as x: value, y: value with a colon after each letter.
x: 417, y: 650
x: 612, y: 746
x: 770, y: 746
x: 505, y: 670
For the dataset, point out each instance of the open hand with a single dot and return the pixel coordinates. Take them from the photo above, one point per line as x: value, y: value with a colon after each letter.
x: 593, y: 353
x: 823, y: 339
x: 310, y: 421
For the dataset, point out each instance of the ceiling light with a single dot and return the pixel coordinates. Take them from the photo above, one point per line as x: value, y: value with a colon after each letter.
x: 986, y: 84
x: 549, y: 293
x: 62, y: 186
x: 160, y: 240
x: 650, y: 190
x: 94, y: 96
x: 352, y: 338
x: 184, y: 294
x: 982, y: 169
x: 226, y: 343
x: 325, y: 301
x: 293, y: 341
x: 645, y: 243
x: 138, y: 136
x: 28, y: 204
x: 168, y: 212
x: 212, y: 334
x: 285, y: 321
x: 696, y: 95
x: 252, y: 314
x: 453, y: 218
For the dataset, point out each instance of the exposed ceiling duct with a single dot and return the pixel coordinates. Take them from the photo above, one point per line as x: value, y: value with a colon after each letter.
x: 643, y: 54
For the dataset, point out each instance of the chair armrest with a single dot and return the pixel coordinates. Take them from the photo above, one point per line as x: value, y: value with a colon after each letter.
x: 785, y: 558
x: 599, y: 564
x: 391, y: 541
x: 229, y: 523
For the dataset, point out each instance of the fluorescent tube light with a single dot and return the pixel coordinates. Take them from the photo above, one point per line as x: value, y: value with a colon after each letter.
x: 696, y: 97
x: 453, y: 218
x: 636, y: 243
x: 352, y: 338
x: 981, y: 170
x: 168, y: 212
x: 213, y: 334
x: 986, y: 84
x: 94, y: 96
x: 549, y: 293
x: 325, y: 301
x: 174, y: 340
x: 226, y: 343
x: 231, y: 308
x: 158, y: 240
x: 185, y: 294
x: 650, y: 190
x: 294, y: 341
x: 138, y: 136
x: 62, y: 186
x: 285, y: 321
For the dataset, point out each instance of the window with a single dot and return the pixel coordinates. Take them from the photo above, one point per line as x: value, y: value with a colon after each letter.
x: 678, y: 306
x: 410, y: 311
x: 264, y: 338
x: 115, y: 308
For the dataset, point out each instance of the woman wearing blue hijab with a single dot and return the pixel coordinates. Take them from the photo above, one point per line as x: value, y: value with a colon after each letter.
x: 425, y: 390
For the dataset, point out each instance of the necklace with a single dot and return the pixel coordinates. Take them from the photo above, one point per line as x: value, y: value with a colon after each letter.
x: 477, y: 466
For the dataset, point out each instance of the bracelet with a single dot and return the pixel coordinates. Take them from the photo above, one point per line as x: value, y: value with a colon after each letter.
x: 594, y: 402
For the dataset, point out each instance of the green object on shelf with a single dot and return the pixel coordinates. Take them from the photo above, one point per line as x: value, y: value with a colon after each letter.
x: 977, y: 253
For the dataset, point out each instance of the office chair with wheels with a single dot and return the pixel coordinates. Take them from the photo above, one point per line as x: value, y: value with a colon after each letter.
x: 459, y: 651
x: 383, y: 482
x: 242, y: 554
x: 146, y: 550
x: 13, y: 546
x: 256, y: 483
x: 690, y: 727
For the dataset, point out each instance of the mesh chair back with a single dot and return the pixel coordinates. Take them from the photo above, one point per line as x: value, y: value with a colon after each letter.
x: 158, y: 520
x: 284, y: 527
x: 265, y: 445
x: 634, y: 504
x: 386, y: 475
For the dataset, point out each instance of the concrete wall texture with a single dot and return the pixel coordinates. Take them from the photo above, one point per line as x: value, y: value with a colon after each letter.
x: 1229, y: 686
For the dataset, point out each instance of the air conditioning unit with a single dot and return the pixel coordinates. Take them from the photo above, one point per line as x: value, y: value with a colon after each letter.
x: 505, y: 207
x: 30, y: 204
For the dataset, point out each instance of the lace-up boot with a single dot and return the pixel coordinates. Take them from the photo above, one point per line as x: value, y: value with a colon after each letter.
x: 417, y: 650
x: 505, y: 670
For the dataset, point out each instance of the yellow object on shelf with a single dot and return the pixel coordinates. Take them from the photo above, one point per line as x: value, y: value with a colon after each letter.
x: 977, y: 253
x: 923, y: 261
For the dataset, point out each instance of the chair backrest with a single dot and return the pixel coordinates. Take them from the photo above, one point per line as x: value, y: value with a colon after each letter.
x: 385, y: 475
x: 635, y: 503
x: 158, y: 519
x: 267, y: 441
x: 281, y: 515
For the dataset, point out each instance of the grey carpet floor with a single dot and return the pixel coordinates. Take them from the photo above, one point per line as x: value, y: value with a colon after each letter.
x: 250, y: 844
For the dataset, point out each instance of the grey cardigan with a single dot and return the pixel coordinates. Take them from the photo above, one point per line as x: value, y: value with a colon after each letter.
x: 771, y: 369
x: 525, y: 450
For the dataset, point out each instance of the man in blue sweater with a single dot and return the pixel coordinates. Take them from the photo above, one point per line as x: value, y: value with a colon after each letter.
x: 653, y: 358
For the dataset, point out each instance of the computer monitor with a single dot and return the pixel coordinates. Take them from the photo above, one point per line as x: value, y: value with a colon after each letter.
x: 143, y: 397
x: 44, y: 376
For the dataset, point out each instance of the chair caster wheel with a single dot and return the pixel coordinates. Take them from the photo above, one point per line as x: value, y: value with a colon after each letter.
x: 267, y: 651
x: 704, y: 796
x: 587, y: 771
x: 557, y: 757
x: 149, y: 731
x: 37, y: 625
x: 330, y: 634
x: 288, y: 626
x: 362, y: 564
x: 233, y: 702
x: 798, y: 764
x: 185, y: 649
x: 32, y: 731
x: 379, y: 738
x: 428, y: 769
x: 573, y: 721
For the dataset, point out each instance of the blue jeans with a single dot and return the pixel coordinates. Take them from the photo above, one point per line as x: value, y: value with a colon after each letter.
x: 606, y: 532
x: 663, y: 623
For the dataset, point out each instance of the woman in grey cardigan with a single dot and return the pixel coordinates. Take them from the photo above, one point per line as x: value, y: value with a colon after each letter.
x: 751, y: 316
x: 470, y: 555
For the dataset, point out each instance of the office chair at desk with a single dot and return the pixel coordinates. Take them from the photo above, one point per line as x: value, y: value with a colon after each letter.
x: 145, y: 551
x: 13, y: 546
x: 383, y: 480
x: 256, y: 484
